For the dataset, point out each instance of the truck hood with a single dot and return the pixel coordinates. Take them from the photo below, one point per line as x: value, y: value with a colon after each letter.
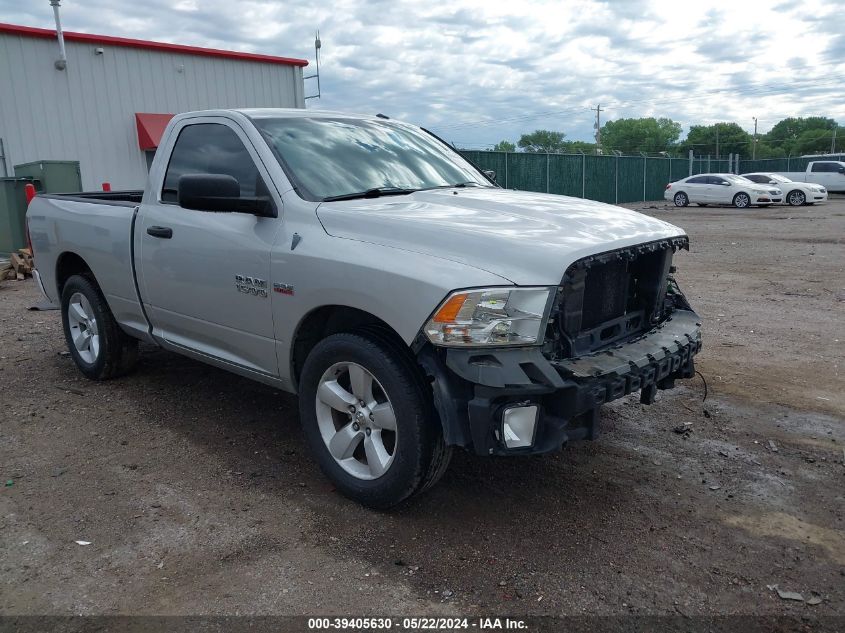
x: 526, y: 238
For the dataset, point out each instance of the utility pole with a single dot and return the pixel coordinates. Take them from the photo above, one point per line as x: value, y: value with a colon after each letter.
x: 754, y: 146
x: 717, y: 141
x: 833, y: 141
x: 597, y: 125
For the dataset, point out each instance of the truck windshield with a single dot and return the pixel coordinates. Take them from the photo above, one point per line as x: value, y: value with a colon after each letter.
x: 338, y: 157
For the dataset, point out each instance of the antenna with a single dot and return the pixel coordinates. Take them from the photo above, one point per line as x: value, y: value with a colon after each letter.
x: 317, y: 46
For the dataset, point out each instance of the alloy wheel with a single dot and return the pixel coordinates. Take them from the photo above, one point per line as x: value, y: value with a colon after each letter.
x: 356, y: 420
x: 797, y: 198
x: 84, y: 330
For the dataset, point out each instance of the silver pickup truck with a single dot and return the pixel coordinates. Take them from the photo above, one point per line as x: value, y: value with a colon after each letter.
x: 361, y: 263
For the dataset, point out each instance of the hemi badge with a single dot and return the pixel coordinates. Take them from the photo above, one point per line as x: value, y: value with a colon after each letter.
x: 285, y: 289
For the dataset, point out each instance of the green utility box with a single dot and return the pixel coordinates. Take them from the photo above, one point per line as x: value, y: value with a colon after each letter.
x: 56, y: 176
x: 12, y: 214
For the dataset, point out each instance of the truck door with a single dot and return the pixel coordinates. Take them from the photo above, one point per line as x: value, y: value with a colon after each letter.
x: 829, y: 174
x: 203, y: 275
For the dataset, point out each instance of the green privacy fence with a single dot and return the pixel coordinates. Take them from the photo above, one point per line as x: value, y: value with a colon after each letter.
x: 612, y: 178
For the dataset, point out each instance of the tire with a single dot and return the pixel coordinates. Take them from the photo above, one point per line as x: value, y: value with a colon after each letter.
x: 680, y: 199
x: 796, y: 198
x: 742, y: 200
x: 355, y: 446
x: 100, y: 349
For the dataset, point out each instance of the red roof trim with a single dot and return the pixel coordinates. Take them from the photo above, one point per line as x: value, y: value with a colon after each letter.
x: 90, y: 38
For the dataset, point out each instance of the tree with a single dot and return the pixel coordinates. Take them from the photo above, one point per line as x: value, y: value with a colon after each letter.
x: 573, y: 147
x: 816, y: 141
x: 504, y: 146
x: 729, y: 137
x: 799, y: 135
x: 765, y: 150
x: 543, y: 142
x: 640, y: 135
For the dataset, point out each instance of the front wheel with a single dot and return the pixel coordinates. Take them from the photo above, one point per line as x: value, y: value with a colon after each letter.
x: 681, y: 199
x: 796, y: 198
x: 367, y: 415
x: 742, y: 200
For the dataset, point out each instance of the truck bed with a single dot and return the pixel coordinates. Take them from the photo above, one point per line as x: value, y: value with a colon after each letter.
x: 129, y: 197
x: 99, y: 224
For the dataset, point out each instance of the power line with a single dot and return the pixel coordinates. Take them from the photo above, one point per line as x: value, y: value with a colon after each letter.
x: 764, y: 90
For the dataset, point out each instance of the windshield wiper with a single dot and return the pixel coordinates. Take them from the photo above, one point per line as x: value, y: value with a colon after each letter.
x: 376, y: 192
x: 469, y: 183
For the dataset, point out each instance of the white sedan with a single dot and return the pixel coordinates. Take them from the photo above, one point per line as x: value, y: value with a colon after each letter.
x: 797, y: 193
x: 705, y: 189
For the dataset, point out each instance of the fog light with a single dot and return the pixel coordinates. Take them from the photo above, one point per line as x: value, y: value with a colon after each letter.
x: 519, y: 422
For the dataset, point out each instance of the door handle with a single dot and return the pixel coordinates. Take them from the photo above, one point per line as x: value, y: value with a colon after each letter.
x: 164, y: 232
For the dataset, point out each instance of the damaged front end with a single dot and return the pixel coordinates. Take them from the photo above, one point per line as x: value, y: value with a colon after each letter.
x: 619, y: 324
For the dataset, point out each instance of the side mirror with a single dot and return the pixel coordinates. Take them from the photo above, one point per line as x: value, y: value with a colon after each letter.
x: 726, y: 183
x: 222, y: 193
x: 773, y: 182
x: 490, y: 174
x: 841, y: 170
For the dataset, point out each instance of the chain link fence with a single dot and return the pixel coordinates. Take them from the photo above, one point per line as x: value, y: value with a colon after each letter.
x: 613, y: 178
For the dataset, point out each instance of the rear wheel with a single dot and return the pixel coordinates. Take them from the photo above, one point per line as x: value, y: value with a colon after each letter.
x: 796, y: 198
x: 681, y: 199
x: 100, y: 349
x: 368, y: 418
x: 742, y: 200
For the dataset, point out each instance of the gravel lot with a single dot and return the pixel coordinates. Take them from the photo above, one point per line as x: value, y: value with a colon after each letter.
x: 197, y: 495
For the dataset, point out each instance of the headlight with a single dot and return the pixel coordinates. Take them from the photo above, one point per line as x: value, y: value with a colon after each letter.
x: 491, y: 316
x: 760, y: 192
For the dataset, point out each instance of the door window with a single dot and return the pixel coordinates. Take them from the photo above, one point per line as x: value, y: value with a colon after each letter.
x: 211, y: 148
x: 697, y: 180
x: 825, y: 167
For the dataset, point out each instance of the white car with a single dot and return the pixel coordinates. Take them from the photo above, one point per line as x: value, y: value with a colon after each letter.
x: 705, y: 189
x: 797, y: 193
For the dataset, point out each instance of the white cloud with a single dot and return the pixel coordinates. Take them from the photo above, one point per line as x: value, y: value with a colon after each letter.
x: 477, y: 71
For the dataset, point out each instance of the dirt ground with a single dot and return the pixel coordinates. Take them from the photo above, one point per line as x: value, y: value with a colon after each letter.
x: 197, y: 495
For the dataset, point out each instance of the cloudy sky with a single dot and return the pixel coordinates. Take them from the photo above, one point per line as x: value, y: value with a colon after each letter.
x: 478, y: 71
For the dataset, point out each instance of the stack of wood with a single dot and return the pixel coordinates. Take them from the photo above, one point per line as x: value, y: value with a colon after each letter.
x: 18, y: 267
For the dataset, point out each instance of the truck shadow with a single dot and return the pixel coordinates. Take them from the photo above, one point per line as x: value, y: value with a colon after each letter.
x: 244, y: 422
x: 482, y: 510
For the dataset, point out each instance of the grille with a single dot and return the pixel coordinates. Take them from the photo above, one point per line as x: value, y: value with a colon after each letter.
x: 607, y: 298
x: 605, y: 293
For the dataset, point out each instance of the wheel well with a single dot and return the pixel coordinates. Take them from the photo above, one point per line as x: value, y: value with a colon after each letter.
x: 333, y: 319
x: 70, y: 264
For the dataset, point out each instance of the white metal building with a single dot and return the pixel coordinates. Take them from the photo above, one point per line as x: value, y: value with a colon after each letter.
x: 108, y: 107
